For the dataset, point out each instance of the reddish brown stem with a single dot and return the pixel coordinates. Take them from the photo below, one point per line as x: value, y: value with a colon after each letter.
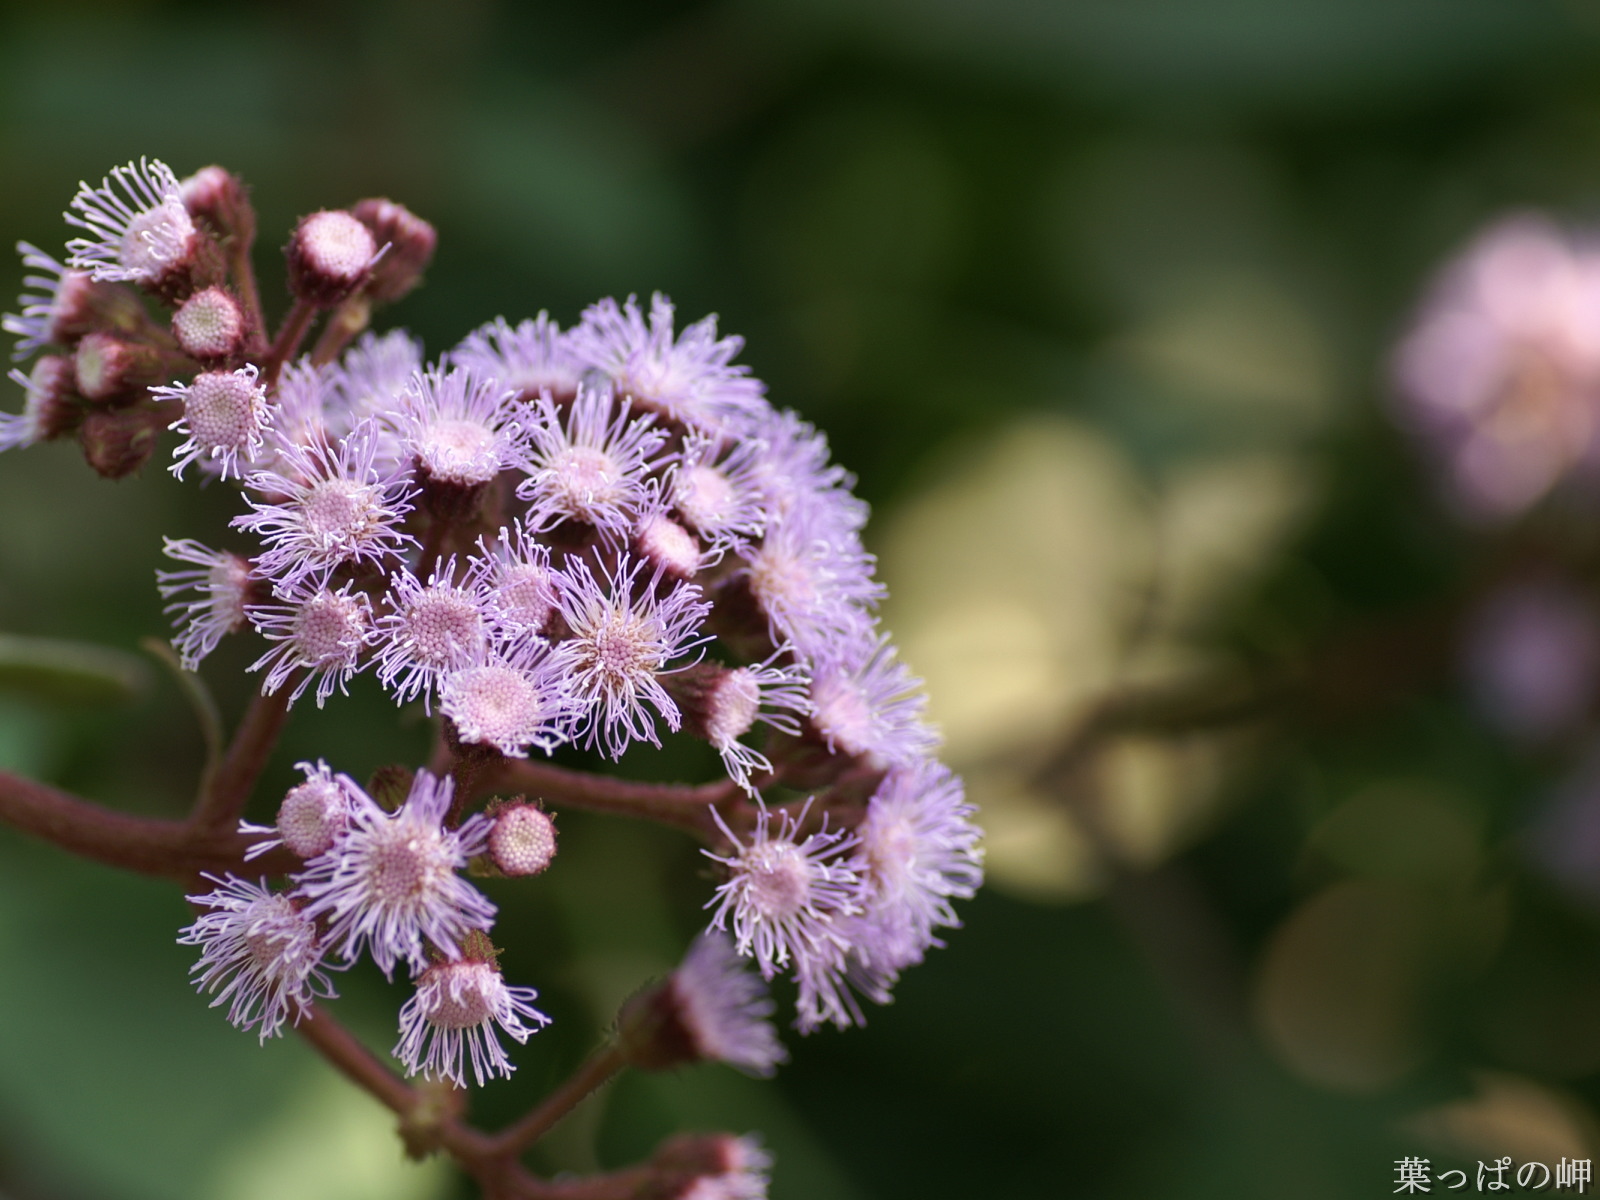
x: 595, y: 1073
x: 245, y: 759
x: 244, y: 283
x: 684, y: 807
x: 346, y: 323
x: 288, y: 341
x: 171, y: 849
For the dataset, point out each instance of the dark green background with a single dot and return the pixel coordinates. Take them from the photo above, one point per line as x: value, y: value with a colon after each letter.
x: 926, y: 219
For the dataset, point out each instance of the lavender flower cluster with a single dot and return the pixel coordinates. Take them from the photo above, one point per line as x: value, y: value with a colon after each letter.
x: 547, y: 537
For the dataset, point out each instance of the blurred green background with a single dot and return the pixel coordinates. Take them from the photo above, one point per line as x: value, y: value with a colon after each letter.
x: 1095, y: 297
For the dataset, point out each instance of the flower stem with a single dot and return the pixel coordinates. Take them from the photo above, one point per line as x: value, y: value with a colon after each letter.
x: 346, y: 323
x: 596, y: 1071
x: 288, y: 341
x: 247, y: 755
x: 172, y: 849
x: 683, y: 807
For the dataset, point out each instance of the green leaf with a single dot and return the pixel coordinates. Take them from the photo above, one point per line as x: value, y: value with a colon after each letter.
x: 69, y: 672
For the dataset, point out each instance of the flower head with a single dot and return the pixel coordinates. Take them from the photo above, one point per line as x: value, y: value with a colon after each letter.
x: 918, y: 851
x: 260, y: 951
x: 224, y: 414
x: 452, y: 1019
x: 390, y: 882
x: 586, y: 464
x: 330, y: 505
x: 311, y: 818
x: 533, y: 359
x: 139, y: 229
x: 722, y: 1010
x: 869, y: 705
x: 456, y: 426
x: 689, y: 379
x: 512, y: 700
x: 57, y: 311
x: 319, y: 634
x: 624, y: 634
x: 49, y: 408
x: 1500, y: 376
x: 429, y: 630
x: 514, y: 572
x: 785, y: 896
x: 223, y: 584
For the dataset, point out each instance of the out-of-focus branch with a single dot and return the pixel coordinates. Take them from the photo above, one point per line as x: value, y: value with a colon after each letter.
x: 235, y: 777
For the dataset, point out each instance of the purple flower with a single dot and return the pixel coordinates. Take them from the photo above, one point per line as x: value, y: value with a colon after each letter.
x: 311, y: 818
x: 452, y: 1018
x: 716, y: 489
x: 784, y: 898
x: 813, y: 583
x: 533, y: 359
x: 1533, y: 657
x: 794, y: 475
x: 918, y: 851
x: 139, y: 229
x: 390, y: 882
x: 54, y: 312
x: 224, y: 414
x: 330, y: 506
x: 867, y: 704
x: 514, y: 573
x: 223, y: 585
x: 733, y: 702
x: 624, y: 633
x: 261, y: 953
x: 589, y: 466
x: 318, y: 631
x: 456, y: 426
x: 48, y: 409
x: 512, y: 699
x: 429, y: 631
x: 724, y: 1009
x: 1500, y: 376
x: 689, y: 380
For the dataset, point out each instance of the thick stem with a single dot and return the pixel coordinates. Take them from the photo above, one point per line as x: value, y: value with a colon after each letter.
x: 252, y: 745
x: 288, y: 340
x: 595, y: 1073
x: 670, y: 804
x: 171, y: 849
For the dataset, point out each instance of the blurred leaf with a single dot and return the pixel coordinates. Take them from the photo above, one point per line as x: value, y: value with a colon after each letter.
x: 69, y: 672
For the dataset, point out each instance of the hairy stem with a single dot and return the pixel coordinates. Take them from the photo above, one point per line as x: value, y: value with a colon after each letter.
x: 683, y: 807
x: 247, y: 755
x: 596, y: 1071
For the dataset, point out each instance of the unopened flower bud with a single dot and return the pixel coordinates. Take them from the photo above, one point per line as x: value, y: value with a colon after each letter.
x: 664, y: 543
x: 719, y: 704
x: 708, y: 1166
x: 109, y: 367
x: 410, y: 241
x: 313, y: 815
x: 209, y: 325
x: 52, y: 408
x: 522, y: 840
x: 710, y: 1009
x: 216, y: 195
x: 118, y: 441
x: 330, y: 256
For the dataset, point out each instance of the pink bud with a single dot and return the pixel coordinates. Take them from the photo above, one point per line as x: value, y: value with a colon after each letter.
x: 209, y: 326
x: 330, y: 256
x: 523, y: 840
x: 410, y: 241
